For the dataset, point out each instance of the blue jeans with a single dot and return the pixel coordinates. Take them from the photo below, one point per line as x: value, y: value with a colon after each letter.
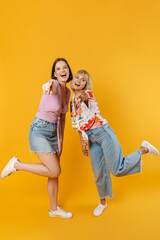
x: 107, y: 156
x: 43, y: 136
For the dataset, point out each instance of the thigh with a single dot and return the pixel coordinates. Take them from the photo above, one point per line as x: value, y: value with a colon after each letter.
x: 50, y: 160
x: 112, y: 149
x: 97, y: 159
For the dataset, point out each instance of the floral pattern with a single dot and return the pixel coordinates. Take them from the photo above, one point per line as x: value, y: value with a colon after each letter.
x: 86, y: 117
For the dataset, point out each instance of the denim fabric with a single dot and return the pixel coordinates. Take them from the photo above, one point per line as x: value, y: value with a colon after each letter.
x: 43, y: 136
x: 107, y: 156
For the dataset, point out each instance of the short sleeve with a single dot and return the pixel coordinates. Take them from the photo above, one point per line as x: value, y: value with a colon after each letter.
x: 90, y: 95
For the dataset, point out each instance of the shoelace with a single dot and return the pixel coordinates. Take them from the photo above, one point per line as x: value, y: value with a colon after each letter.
x: 99, y: 206
x: 61, y: 210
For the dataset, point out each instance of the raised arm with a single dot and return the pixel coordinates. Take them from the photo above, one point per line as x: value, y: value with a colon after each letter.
x: 81, y: 97
x: 49, y: 87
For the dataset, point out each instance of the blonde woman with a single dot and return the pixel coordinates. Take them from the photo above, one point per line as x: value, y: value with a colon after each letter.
x: 105, y: 151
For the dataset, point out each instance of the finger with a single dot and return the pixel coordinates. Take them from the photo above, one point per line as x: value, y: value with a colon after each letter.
x: 51, y: 87
x: 51, y: 84
x: 44, y: 89
x: 86, y: 153
x: 77, y: 101
x: 78, y: 96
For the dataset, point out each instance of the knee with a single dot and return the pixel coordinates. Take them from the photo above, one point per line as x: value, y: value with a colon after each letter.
x: 114, y: 173
x: 55, y: 173
x: 117, y: 174
x: 98, y: 177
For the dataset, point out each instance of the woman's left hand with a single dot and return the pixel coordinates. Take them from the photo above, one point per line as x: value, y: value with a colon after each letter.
x: 61, y: 147
x: 85, y: 151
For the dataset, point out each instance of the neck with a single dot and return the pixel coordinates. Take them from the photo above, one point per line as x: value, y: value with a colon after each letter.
x: 62, y: 84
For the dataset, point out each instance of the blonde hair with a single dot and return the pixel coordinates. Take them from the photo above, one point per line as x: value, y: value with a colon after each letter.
x: 88, y: 78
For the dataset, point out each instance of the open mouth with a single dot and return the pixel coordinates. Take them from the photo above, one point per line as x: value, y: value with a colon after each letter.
x: 63, y: 75
x: 78, y: 85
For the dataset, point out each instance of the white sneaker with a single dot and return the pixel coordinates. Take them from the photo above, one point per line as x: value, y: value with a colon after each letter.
x: 60, y: 213
x: 9, y: 168
x: 152, y: 149
x: 98, y: 210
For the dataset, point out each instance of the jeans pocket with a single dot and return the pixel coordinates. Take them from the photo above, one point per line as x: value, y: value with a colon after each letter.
x: 40, y: 123
x: 96, y: 134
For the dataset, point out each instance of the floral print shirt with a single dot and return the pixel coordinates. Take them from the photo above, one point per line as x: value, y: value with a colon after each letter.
x: 86, y: 117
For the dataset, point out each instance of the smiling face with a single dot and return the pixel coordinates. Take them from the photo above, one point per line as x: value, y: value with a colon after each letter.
x: 79, y: 82
x: 61, y: 72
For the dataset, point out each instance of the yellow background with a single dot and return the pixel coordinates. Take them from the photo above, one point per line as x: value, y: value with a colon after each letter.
x: 118, y: 42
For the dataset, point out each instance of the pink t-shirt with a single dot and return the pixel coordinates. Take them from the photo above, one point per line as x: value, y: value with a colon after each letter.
x: 50, y: 107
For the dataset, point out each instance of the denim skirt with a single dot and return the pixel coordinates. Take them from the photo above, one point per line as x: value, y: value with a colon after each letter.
x: 43, y: 136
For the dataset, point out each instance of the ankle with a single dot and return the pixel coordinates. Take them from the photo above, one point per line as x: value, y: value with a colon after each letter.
x: 103, y: 201
x: 144, y: 150
x: 16, y: 165
x: 53, y: 208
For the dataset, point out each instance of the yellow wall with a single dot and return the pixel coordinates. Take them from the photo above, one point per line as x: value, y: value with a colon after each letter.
x: 117, y: 42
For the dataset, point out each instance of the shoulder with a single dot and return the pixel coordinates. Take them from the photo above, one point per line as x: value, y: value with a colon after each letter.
x: 90, y: 94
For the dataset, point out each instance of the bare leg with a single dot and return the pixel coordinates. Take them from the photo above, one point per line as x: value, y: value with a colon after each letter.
x: 144, y: 150
x: 53, y: 192
x: 49, y: 167
x: 103, y: 201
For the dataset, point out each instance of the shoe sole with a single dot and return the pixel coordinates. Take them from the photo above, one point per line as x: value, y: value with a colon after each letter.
x: 7, y: 166
x: 59, y: 216
x: 147, y: 144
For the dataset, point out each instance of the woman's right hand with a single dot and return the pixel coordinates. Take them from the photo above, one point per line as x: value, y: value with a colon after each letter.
x: 48, y: 87
x: 81, y: 97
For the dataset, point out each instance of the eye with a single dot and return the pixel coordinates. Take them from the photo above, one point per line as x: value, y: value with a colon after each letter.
x: 58, y: 68
x: 65, y: 67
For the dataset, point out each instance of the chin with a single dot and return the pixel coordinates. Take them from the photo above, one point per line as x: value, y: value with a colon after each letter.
x: 64, y: 80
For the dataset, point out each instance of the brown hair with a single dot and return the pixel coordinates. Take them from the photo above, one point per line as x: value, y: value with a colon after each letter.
x: 54, y: 65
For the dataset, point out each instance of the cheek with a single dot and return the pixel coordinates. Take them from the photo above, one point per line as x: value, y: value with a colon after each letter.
x: 55, y: 73
x: 84, y: 84
x: 68, y: 71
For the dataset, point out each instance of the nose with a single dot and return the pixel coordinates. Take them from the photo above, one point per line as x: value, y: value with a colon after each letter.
x: 78, y: 81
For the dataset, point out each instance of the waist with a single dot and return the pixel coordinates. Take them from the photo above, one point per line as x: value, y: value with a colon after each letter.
x: 92, y: 129
x: 49, y: 117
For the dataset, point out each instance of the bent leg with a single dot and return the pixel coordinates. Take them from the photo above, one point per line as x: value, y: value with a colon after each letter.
x: 118, y: 164
x: 52, y: 187
x: 49, y: 166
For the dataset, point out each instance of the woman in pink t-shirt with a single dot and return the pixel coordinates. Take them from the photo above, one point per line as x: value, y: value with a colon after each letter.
x: 46, y: 135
